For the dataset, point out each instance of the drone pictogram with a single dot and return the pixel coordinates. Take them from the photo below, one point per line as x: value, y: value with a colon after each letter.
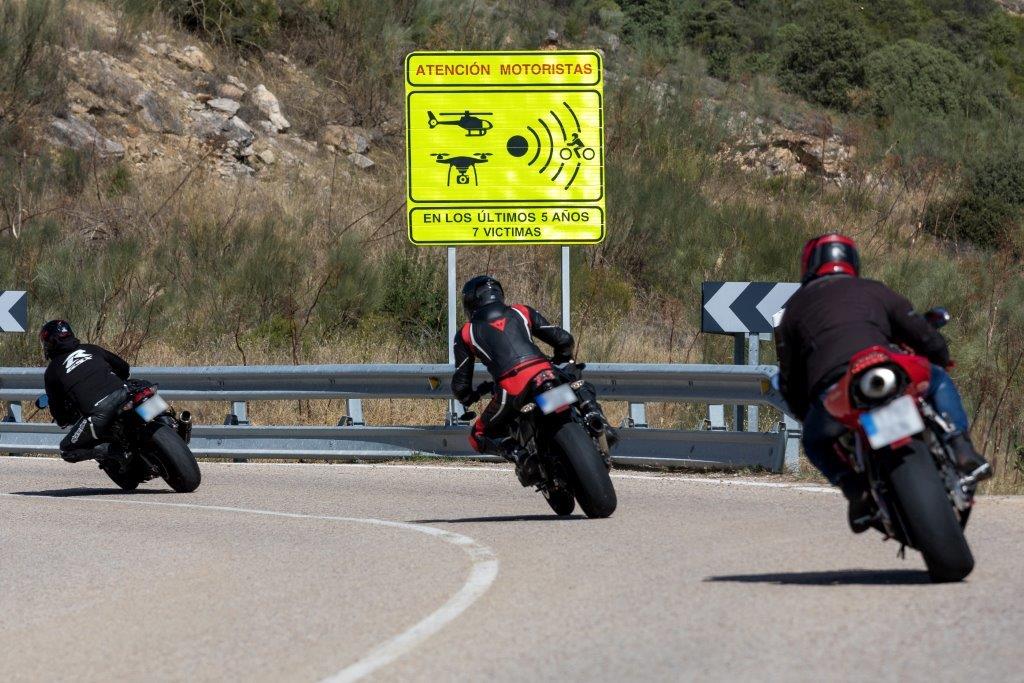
x: 463, y: 165
x: 469, y: 121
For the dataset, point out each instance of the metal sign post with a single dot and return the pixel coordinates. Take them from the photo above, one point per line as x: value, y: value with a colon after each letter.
x: 738, y: 358
x: 743, y: 310
x: 454, y: 407
x: 566, y: 290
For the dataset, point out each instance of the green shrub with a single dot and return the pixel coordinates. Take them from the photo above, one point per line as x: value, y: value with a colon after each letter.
x: 988, y: 210
x: 914, y: 76
x: 245, y: 23
x: 823, y: 60
x: 31, y: 64
x: 712, y: 27
x: 414, y: 295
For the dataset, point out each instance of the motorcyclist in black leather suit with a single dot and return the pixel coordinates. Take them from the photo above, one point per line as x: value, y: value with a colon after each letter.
x: 85, y: 385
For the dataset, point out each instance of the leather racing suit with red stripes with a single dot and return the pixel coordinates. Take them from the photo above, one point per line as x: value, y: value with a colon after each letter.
x: 501, y: 337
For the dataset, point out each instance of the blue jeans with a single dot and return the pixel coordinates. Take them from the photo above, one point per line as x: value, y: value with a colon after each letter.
x: 821, y: 430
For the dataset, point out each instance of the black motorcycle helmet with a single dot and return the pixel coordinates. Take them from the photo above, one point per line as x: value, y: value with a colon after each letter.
x: 56, y: 335
x: 481, y: 291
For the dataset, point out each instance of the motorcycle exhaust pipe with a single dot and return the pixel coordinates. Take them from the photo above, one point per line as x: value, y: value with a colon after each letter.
x: 595, y: 423
x: 185, y: 426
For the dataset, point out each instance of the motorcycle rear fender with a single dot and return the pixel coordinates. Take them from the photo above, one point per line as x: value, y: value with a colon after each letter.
x: 838, y: 398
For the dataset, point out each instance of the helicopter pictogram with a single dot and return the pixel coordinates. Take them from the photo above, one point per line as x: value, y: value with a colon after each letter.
x: 463, y: 165
x: 469, y: 121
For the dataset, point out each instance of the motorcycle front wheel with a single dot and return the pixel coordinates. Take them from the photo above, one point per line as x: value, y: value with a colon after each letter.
x: 181, y: 471
x: 928, y: 514
x: 590, y: 480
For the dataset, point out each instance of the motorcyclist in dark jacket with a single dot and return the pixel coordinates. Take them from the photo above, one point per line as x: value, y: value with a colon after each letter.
x: 85, y: 385
x: 834, y: 315
x: 501, y: 337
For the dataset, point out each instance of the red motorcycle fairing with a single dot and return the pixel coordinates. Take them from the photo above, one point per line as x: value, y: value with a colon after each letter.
x: 838, y: 399
x: 520, y: 377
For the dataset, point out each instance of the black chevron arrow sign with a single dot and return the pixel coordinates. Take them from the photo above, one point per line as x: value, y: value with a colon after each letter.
x: 742, y: 307
x: 13, y: 311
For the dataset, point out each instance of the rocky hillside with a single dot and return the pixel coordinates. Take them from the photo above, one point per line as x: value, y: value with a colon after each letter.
x: 163, y: 104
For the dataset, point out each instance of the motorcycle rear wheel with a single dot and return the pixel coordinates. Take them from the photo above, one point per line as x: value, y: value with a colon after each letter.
x: 181, y: 471
x: 561, y: 501
x: 928, y: 514
x: 590, y: 480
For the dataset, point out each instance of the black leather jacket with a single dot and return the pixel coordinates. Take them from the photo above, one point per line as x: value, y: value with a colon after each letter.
x: 78, y: 376
x: 502, y: 338
x: 830, y: 319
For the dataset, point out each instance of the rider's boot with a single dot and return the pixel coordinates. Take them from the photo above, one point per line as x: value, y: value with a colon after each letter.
x: 862, y: 507
x: 968, y: 460
x: 82, y: 454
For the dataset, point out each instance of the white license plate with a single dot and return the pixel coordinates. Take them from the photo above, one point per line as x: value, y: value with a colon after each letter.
x: 892, y: 422
x: 553, y: 399
x: 151, y: 407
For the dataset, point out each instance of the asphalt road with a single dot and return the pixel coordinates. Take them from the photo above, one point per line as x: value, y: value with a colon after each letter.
x: 299, y: 572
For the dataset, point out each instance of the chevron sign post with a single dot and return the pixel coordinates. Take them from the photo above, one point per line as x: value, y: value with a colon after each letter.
x: 745, y: 311
x: 742, y: 307
x: 13, y: 311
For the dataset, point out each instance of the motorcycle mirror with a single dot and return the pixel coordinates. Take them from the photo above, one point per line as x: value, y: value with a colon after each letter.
x: 938, y: 317
x: 42, y: 402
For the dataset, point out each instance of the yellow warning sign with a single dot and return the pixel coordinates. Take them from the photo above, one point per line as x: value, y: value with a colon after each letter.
x: 505, y: 147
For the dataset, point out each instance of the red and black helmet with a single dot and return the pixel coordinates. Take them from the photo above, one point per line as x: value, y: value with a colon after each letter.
x: 827, y: 255
x: 54, y: 334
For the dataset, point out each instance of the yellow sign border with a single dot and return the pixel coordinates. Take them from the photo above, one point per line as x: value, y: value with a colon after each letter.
x: 412, y: 87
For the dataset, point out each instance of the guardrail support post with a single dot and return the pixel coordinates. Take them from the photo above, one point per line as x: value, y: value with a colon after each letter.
x: 355, y: 411
x: 638, y: 415
x: 239, y: 414
x: 716, y: 418
x: 793, y: 434
x: 13, y: 412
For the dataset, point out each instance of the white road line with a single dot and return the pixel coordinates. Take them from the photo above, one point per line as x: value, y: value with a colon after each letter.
x: 482, y: 574
x: 504, y: 470
x: 492, y: 469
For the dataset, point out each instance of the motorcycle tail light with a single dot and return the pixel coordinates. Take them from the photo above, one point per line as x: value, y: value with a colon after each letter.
x: 141, y: 396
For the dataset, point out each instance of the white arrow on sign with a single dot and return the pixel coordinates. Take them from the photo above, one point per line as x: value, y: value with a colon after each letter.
x: 776, y: 299
x: 8, y: 323
x: 718, y: 305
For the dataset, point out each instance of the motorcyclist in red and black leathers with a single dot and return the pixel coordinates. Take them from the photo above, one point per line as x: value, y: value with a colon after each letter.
x: 85, y: 385
x: 501, y: 337
x: 834, y: 315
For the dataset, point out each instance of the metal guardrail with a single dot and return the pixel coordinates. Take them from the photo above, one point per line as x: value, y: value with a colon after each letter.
x: 633, y: 383
x: 652, y: 447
